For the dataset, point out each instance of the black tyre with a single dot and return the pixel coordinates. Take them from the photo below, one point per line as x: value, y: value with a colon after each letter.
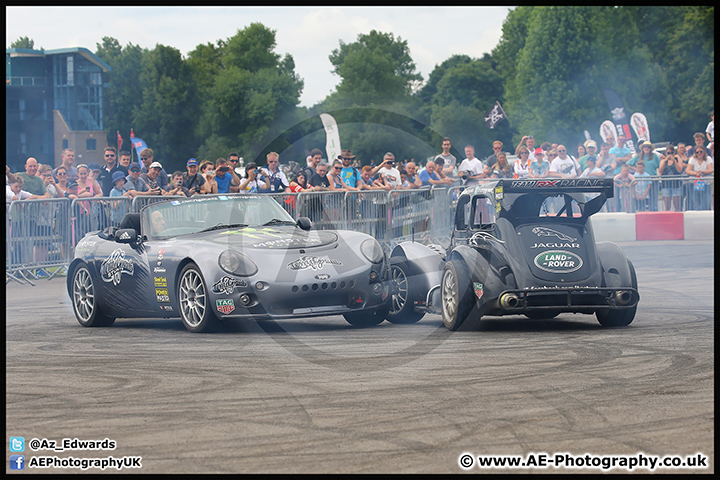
x: 401, y: 309
x: 619, y: 318
x: 195, y: 309
x: 84, y: 300
x: 457, y: 300
x: 366, y: 318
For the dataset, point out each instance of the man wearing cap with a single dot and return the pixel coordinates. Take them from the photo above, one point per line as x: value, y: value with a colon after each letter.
x: 192, y: 179
x: 349, y: 175
x: 134, y: 184
x: 153, y: 179
x: 111, y: 166
x: 591, y: 148
x: 147, y: 157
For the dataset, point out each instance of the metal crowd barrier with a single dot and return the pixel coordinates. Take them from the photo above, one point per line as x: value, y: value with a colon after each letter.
x: 40, y: 234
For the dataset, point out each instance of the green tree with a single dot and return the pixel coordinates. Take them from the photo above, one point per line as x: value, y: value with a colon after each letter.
x: 250, y: 93
x: 23, y: 42
x: 169, y: 110
x: 375, y: 69
x: 124, y: 92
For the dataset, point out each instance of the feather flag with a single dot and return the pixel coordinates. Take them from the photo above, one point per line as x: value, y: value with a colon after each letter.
x: 119, y: 141
x: 619, y: 116
x: 332, y: 142
x: 495, y: 116
x: 640, y: 125
x: 138, y: 144
x: 607, y: 131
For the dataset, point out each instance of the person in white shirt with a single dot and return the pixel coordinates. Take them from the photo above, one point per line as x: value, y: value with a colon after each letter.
x: 471, y: 169
x: 563, y: 166
x: 390, y: 174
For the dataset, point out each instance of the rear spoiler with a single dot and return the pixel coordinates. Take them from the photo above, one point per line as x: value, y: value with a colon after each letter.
x: 558, y: 185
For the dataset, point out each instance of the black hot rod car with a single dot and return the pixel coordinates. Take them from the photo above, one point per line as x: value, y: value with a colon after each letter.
x: 518, y: 247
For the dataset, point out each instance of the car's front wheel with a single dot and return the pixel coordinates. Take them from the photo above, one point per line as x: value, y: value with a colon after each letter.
x: 457, y: 301
x: 85, y: 301
x: 195, y: 309
x: 403, y: 296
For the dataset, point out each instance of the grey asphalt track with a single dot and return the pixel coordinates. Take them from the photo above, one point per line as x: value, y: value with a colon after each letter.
x: 319, y: 396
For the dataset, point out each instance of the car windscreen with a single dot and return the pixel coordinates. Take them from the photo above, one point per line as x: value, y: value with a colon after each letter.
x: 197, y: 214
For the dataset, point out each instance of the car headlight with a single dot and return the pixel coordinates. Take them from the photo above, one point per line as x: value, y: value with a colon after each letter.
x: 372, y: 250
x: 237, y: 264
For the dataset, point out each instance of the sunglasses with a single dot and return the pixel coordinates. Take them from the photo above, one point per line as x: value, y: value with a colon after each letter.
x: 337, y: 168
x: 562, y: 151
x: 134, y: 169
x: 233, y: 161
x: 60, y: 174
x: 109, y: 156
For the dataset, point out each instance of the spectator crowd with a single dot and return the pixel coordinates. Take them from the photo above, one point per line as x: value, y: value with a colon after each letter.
x: 648, y: 179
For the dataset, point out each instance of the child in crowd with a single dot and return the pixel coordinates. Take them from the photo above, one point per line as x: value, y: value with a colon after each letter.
x: 119, y: 209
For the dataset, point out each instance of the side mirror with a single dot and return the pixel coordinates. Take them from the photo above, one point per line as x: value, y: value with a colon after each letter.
x: 126, y: 235
x: 304, y: 223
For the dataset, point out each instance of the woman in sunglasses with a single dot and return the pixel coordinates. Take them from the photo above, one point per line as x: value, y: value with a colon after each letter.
x: 671, y: 165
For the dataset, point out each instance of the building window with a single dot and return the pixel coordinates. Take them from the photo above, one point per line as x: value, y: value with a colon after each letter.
x: 90, y: 144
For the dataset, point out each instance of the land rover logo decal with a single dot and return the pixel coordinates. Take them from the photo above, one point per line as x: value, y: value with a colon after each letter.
x: 558, y: 261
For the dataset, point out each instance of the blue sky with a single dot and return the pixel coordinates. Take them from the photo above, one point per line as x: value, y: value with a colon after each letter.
x: 309, y: 34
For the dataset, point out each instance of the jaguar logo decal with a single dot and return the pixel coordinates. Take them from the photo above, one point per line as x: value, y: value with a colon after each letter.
x: 549, y: 232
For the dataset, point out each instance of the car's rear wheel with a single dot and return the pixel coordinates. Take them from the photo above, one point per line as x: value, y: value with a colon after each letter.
x: 619, y: 318
x: 195, y: 309
x: 404, y: 295
x: 457, y: 301
x: 84, y: 300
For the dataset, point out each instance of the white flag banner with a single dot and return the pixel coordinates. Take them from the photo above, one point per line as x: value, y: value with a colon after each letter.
x: 640, y: 125
x: 332, y: 142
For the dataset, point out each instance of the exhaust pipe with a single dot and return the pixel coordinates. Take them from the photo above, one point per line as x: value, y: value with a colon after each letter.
x: 623, y: 297
x: 509, y: 300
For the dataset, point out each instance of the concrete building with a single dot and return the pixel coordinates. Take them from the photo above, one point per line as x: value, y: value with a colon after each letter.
x: 54, y: 100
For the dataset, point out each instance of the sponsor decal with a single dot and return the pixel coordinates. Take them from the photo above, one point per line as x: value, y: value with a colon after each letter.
x: 558, y: 261
x: 316, y: 263
x: 556, y: 245
x: 161, y: 255
x: 160, y: 281
x: 115, y: 265
x: 478, y: 288
x: 289, y: 243
x: 499, y: 192
x: 159, y: 270
x: 227, y: 284
x: 549, y: 232
x: 124, y: 236
x: 225, y: 305
x: 386, y: 291
x: 322, y: 276
x: 167, y: 308
x: 162, y: 295
x: 559, y: 183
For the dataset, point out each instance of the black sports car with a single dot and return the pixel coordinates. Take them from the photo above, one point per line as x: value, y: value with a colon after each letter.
x: 518, y: 247
x: 221, y: 257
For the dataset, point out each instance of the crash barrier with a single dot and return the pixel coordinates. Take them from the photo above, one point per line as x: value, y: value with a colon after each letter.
x: 41, y: 234
x: 630, y: 227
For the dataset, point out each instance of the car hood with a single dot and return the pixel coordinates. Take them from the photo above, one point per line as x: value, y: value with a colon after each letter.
x: 273, y: 237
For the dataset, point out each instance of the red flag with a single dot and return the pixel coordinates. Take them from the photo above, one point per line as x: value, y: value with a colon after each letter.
x: 119, y: 141
x: 132, y: 135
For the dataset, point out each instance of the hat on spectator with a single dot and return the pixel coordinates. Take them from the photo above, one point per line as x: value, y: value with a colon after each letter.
x: 591, y: 158
x: 647, y: 143
x: 133, y: 164
x: 155, y: 165
x: 346, y: 154
x: 71, y: 184
x: 539, y: 151
x: 94, y: 167
x: 192, y: 161
x: 590, y: 143
x: 117, y: 176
